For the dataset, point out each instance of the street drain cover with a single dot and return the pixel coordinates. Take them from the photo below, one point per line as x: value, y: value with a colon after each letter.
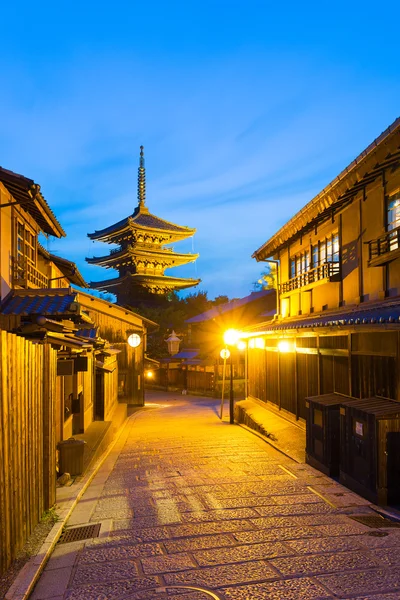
x: 76, y: 534
x: 375, y: 521
x: 377, y: 533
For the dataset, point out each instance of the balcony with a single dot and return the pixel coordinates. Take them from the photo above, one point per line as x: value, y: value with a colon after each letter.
x: 384, y: 249
x: 329, y: 271
x: 25, y: 275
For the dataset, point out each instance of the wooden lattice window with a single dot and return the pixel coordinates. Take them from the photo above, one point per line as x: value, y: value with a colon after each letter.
x: 26, y: 244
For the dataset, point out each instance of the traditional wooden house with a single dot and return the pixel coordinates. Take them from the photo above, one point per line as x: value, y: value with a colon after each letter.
x: 337, y: 326
x: 97, y: 368
x: 141, y: 256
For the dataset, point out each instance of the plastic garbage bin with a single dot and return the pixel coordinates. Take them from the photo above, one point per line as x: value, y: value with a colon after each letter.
x: 71, y: 456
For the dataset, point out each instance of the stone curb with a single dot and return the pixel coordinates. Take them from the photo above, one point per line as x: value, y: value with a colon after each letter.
x: 28, y: 576
x: 268, y: 441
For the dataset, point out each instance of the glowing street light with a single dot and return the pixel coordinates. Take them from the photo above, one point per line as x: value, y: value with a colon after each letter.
x: 284, y: 346
x: 241, y: 345
x: 231, y: 337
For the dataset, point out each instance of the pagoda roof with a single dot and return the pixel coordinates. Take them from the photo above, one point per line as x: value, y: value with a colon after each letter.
x: 142, y: 251
x: 163, y: 281
x: 144, y: 220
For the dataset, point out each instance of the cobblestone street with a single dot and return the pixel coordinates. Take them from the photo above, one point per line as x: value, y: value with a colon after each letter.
x: 192, y: 507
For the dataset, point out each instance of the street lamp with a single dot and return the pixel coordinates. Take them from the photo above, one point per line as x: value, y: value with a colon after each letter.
x: 224, y: 354
x: 134, y: 340
x: 231, y: 338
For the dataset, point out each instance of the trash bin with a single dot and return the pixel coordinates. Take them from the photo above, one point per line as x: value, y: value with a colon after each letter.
x: 71, y: 456
x: 370, y: 449
x: 323, y: 432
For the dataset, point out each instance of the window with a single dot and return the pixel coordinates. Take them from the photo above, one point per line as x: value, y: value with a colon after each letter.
x: 335, y: 245
x: 327, y: 250
x: 26, y: 244
x: 393, y: 220
x: 292, y: 268
x: 299, y: 264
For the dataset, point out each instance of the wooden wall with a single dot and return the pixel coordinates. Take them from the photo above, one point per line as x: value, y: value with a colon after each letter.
x: 356, y: 364
x: 27, y: 440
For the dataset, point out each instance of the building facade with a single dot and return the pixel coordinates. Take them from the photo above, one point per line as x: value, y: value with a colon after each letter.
x: 338, y: 318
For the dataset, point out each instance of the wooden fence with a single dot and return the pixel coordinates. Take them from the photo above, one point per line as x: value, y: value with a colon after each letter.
x: 27, y: 440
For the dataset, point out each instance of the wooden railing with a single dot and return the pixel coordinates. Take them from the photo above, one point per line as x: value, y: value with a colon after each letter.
x: 325, y: 271
x: 387, y: 242
x: 26, y: 275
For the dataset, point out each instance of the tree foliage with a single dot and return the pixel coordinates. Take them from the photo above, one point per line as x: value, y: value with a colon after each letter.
x: 267, y: 279
x: 171, y: 314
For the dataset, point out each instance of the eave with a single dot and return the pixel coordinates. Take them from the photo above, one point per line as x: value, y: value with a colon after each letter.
x: 342, y: 190
x: 128, y: 256
x: 26, y: 193
x: 145, y: 280
x: 130, y: 225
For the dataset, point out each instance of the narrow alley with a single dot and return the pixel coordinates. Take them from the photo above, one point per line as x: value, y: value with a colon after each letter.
x: 192, y: 507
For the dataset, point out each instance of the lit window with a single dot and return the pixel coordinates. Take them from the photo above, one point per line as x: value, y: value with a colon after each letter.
x: 322, y: 252
x: 292, y: 268
x: 393, y: 220
x: 335, y: 255
x: 329, y: 250
x: 315, y: 256
x: 307, y: 260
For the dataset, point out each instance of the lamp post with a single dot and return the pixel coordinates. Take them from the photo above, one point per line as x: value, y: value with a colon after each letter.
x: 231, y: 337
x: 223, y: 354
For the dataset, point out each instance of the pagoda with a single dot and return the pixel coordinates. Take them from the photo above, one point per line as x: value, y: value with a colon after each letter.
x: 141, y: 256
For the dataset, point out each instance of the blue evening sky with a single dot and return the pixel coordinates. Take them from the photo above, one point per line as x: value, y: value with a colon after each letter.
x: 246, y: 111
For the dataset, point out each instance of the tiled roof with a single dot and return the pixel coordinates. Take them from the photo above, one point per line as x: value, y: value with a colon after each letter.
x: 186, y: 354
x: 67, y: 267
x: 38, y: 304
x: 143, y: 219
x: 27, y: 193
x: 221, y: 309
x: 374, y: 315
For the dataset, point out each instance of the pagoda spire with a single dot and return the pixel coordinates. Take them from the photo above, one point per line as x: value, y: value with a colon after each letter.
x: 142, y: 181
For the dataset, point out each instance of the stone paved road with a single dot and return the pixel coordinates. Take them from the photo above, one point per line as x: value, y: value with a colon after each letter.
x: 194, y: 508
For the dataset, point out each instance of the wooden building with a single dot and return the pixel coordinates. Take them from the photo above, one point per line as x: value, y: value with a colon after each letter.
x: 97, y: 368
x: 141, y: 256
x: 337, y: 327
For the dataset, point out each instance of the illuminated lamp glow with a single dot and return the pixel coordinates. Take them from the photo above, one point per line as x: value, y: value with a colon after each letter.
x: 134, y: 340
x: 225, y: 353
x: 149, y: 374
x: 284, y: 346
x: 259, y: 343
x: 241, y: 345
x: 231, y: 337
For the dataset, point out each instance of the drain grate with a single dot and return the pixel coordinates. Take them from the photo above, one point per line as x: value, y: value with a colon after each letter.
x: 375, y: 521
x: 377, y: 533
x: 76, y: 534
